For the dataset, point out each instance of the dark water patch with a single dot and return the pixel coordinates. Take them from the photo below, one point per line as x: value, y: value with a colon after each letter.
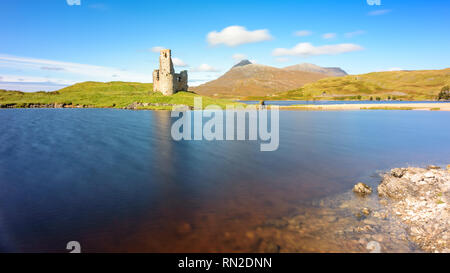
x: 116, y: 181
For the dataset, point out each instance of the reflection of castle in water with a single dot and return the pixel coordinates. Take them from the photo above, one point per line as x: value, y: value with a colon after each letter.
x: 165, y: 80
x: 161, y: 123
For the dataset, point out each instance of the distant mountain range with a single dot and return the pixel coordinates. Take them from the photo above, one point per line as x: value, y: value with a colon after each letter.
x: 248, y: 79
x: 306, y: 67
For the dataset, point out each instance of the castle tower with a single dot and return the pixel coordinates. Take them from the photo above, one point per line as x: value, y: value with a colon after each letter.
x: 165, y: 80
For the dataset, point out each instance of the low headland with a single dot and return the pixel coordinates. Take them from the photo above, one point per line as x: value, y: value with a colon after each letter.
x: 119, y: 95
x: 140, y: 96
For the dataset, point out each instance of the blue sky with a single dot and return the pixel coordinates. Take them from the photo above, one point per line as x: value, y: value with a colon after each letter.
x: 48, y: 44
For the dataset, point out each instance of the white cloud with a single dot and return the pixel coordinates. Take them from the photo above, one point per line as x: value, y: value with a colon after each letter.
x: 205, y: 68
x: 157, y: 49
x: 237, y: 35
x: 52, y: 68
x: 179, y: 62
x: 31, y: 83
x: 239, y: 57
x: 329, y: 36
x: 302, y: 33
x: 307, y: 49
x: 30, y: 86
x: 35, y: 79
x: 354, y: 33
x: 82, y: 72
x: 73, y: 2
x: 379, y: 12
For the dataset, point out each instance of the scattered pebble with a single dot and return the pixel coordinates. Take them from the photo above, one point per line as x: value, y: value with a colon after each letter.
x: 362, y: 189
x: 365, y: 211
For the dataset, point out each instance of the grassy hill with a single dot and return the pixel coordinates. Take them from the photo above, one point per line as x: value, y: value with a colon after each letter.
x: 405, y: 85
x: 104, y: 95
x: 256, y: 80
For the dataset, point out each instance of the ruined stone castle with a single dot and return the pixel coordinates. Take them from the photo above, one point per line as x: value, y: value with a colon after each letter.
x: 165, y: 80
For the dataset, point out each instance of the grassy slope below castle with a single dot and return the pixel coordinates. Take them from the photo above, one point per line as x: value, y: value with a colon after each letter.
x: 104, y: 95
x: 404, y: 85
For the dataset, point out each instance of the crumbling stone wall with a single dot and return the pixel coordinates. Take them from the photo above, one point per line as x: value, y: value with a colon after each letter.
x: 181, y: 81
x: 165, y: 80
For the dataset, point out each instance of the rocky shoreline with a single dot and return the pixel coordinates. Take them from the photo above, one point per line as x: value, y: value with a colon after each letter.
x: 442, y: 106
x: 132, y: 106
x: 43, y: 105
x: 420, y: 198
x: 410, y: 213
x: 143, y: 105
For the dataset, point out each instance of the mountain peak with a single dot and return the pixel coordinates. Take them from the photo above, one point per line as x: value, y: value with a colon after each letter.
x: 248, y: 79
x: 242, y: 63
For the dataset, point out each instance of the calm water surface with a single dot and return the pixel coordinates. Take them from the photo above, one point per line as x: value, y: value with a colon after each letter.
x: 114, y: 180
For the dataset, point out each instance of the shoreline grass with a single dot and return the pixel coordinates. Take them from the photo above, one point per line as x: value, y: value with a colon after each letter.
x: 104, y: 95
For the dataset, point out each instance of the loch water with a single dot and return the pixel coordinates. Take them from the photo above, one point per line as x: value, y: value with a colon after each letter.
x: 115, y: 180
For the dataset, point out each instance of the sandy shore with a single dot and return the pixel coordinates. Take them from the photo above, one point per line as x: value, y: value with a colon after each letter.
x: 381, y: 106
